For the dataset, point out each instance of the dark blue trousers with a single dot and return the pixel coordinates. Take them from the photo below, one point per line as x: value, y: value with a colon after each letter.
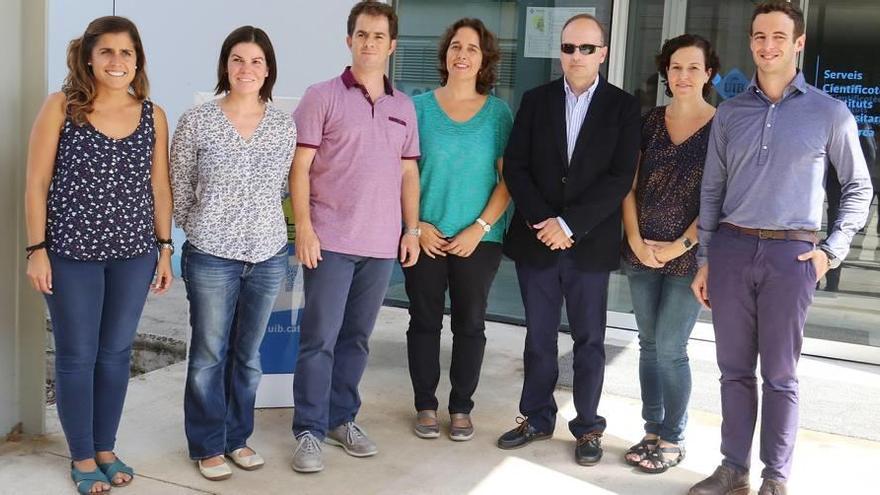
x: 342, y: 300
x: 586, y: 298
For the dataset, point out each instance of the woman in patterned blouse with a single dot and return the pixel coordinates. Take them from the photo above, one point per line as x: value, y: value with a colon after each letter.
x: 229, y: 164
x: 98, y: 201
x: 660, y: 221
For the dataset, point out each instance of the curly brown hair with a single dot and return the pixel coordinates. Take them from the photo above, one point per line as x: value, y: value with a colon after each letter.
x: 488, y: 45
x: 711, y: 62
x: 79, y: 85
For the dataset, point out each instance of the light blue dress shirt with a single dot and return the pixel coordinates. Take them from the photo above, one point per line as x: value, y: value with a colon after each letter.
x: 766, y: 165
x: 576, y: 108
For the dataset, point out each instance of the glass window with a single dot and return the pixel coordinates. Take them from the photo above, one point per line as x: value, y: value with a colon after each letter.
x: 726, y: 26
x: 840, y: 59
x: 530, y: 57
x: 837, y: 59
x: 644, y: 38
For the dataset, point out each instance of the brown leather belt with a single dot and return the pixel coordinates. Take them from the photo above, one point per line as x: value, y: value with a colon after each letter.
x: 779, y: 235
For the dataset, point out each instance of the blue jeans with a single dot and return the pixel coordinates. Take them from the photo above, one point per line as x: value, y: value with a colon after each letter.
x: 230, y: 303
x: 666, y: 311
x: 342, y: 300
x: 95, y: 311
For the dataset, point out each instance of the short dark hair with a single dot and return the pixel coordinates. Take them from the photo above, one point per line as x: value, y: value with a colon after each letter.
x: 488, y: 45
x: 588, y: 17
x: 372, y: 7
x: 710, y: 58
x: 247, y: 34
x: 792, y: 11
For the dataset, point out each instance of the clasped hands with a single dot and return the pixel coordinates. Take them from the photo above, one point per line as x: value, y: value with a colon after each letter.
x: 463, y: 244
x: 656, y: 254
x: 551, y: 233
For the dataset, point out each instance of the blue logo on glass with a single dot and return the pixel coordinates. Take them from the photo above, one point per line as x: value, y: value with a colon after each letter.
x: 730, y: 85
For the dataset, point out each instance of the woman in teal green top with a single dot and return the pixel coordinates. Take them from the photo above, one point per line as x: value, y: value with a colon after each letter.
x: 462, y: 133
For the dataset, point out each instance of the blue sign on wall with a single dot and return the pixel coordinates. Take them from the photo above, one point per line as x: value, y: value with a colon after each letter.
x: 281, y: 344
x: 732, y: 84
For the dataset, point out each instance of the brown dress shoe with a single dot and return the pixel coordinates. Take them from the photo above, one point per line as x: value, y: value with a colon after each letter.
x: 772, y: 487
x: 724, y: 481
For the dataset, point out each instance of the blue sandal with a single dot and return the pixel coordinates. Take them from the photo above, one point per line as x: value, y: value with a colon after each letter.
x: 84, y: 481
x: 111, y: 469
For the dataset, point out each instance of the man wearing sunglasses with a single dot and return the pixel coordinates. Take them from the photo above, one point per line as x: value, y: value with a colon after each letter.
x: 570, y: 161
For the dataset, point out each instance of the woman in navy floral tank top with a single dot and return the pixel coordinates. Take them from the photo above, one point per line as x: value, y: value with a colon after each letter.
x: 98, y: 203
x: 660, y: 221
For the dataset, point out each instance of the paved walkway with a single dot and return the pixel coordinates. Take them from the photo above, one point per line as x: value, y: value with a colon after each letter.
x: 151, y: 437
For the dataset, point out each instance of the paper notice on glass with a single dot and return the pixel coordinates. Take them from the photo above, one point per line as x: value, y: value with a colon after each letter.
x: 544, y: 27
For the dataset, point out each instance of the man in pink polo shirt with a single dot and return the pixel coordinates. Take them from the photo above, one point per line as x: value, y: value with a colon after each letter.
x: 354, y: 178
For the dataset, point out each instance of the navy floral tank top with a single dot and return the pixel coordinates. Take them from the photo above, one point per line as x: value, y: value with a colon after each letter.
x: 100, y: 203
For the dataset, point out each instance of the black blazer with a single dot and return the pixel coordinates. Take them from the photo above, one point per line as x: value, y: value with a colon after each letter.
x: 587, y: 193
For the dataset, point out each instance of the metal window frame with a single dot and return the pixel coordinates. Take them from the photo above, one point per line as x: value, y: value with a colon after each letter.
x: 674, y: 22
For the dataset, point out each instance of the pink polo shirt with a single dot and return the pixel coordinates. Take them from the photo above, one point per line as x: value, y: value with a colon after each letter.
x: 355, y: 177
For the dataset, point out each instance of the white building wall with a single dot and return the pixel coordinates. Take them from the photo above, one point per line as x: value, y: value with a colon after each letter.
x: 10, y: 152
x: 182, y: 41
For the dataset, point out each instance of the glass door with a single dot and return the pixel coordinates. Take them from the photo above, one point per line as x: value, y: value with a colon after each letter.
x: 840, y: 59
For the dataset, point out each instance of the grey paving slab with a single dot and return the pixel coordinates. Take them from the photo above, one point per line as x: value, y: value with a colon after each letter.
x: 151, y: 439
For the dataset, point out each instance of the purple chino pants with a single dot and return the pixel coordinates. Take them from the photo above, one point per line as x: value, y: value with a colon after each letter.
x: 759, y: 293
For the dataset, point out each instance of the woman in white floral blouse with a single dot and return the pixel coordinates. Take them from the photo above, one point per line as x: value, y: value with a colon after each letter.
x: 230, y: 159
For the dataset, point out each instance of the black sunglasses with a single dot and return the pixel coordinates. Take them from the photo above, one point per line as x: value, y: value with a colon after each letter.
x: 585, y: 49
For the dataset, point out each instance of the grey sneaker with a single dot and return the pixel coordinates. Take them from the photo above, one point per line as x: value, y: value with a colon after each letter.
x: 307, y: 456
x: 465, y: 429
x: 352, y: 439
x: 430, y: 430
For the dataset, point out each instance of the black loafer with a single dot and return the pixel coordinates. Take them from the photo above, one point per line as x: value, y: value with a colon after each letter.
x: 588, y: 451
x: 521, y: 436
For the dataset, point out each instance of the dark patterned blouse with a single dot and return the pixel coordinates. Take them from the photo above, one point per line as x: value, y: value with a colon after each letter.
x: 100, y: 204
x: 668, y: 189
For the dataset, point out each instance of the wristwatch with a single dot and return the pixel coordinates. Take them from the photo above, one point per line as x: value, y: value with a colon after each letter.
x: 687, y: 243
x: 165, y: 244
x: 415, y: 231
x: 484, y: 224
x: 833, y: 261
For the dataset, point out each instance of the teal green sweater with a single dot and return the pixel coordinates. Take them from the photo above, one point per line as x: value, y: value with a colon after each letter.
x: 457, y: 168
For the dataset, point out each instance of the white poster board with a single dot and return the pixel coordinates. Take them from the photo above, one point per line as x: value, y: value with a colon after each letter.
x: 544, y: 29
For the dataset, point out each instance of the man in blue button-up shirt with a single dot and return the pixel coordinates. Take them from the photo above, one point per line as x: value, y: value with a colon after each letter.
x: 760, y: 210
